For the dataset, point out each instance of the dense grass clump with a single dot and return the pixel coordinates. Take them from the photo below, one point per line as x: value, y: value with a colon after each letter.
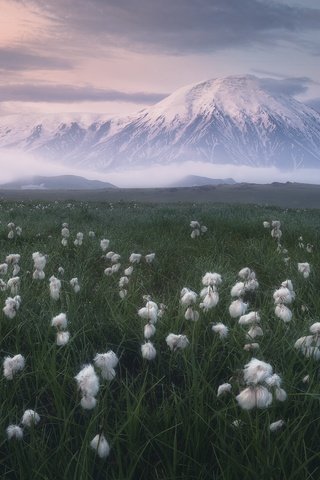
x: 162, y: 419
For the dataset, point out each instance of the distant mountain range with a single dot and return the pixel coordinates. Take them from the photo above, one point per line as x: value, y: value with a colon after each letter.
x: 59, y: 182
x: 196, y: 181
x: 232, y: 120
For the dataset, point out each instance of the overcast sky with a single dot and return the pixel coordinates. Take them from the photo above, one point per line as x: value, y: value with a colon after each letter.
x: 117, y: 56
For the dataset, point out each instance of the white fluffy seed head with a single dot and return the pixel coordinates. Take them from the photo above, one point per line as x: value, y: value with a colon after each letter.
x: 60, y: 321
x: 149, y: 330
x: 188, y: 297
x: 148, y: 351
x: 257, y: 396
x: 221, y: 329
x: 191, y: 315
x: 14, y: 431
x: 212, y: 279
x: 249, y: 319
x: 304, y: 269
x: 150, y: 257
x: 274, y: 426
x: 88, y: 402
x: 238, y: 290
x: 128, y: 271
x: 283, y: 312
x: 175, y: 342
x: 104, y: 244
x: 62, y: 338
x: 315, y: 328
x: 224, y: 388
x: 88, y: 381
x: 29, y: 418
x: 256, y: 371
x: 12, y: 365
x: 100, y: 445
x: 135, y: 258
x: 237, y: 308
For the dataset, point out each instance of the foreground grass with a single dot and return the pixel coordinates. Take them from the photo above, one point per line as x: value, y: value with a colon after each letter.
x: 163, y: 419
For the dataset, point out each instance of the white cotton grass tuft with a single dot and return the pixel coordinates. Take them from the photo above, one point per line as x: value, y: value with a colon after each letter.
x: 191, y: 314
x: 3, y: 269
x: 149, y: 258
x: 274, y: 426
x: 128, y: 271
x: 283, y: 312
x: 11, y: 307
x: 13, y: 365
x: 40, y: 261
x: 309, y: 345
x: 88, y: 384
x: 250, y: 347
x: 256, y: 371
x: 304, y: 269
x: 104, y: 244
x: 149, y: 330
x: 60, y: 321
x: 176, y: 342
x: 254, y: 397
x: 211, y: 279
x: 149, y: 312
x: 188, y: 297
x: 123, y: 281
x: 79, y: 239
x: 14, y: 285
x: 100, y: 445
x: 62, y: 338
x: 249, y: 318
x: 55, y: 287
x: 238, y: 290
x: 266, y: 224
x: 148, y: 351
x: 260, y: 379
x: 224, y: 388
x: 135, y: 258
x: 14, y: 432
x: 210, y: 300
x: 106, y: 362
x: 74, y: 283
x: 221, y: 329
x: 238, y: 308
x: 30, y: 418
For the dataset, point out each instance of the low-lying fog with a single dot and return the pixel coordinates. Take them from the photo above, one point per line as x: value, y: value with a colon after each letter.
x: 14, y: 166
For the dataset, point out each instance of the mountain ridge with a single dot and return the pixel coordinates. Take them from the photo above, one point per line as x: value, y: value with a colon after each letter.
x: 233, y: 120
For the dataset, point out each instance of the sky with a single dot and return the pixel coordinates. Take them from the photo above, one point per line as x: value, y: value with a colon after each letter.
x: 118, y: 56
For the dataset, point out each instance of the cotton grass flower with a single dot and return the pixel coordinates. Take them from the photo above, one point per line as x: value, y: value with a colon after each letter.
x: 62, y: 338
x: 150, y: 257
x: 128, y: 271
x: 304, y: 269
x: 3, y: 269
x: 79, y: 239
x: 266, y: 224
x: 106, y: 362
x: 100, y: 445
x: 176, y: 342
x: 238, y: 290
x: 149, y: 330
x: 60, y: 321
x: 30, y: 418
x: 250, y: 347
x: 11, y: 307
x: 254, y: 397
x: 224, y: 388
x: 13, y: 365
x: 211, y: 279
x: 14, y: 432
x: 88, y: 384
x: 188, y: 297
x: 74, y: 283
x: 104, y: 244
x: 237, y: 308
x: 135, y: 258
x: 55, y: 287
x: 221, y: 329
x: 148, y: 351
x: 274, y: 426
x: 14, y: 284
x: 191, y: 314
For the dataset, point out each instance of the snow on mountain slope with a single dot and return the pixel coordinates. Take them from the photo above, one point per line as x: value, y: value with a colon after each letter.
x: 229, y: 120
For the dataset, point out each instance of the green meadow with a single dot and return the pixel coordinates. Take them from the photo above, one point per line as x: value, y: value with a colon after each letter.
x: 162, y: 418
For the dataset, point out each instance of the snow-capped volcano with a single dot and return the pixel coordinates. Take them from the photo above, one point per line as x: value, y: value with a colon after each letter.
x: 231, y: 120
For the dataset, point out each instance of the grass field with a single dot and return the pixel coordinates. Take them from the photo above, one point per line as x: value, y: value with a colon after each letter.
x: 162, y: 418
